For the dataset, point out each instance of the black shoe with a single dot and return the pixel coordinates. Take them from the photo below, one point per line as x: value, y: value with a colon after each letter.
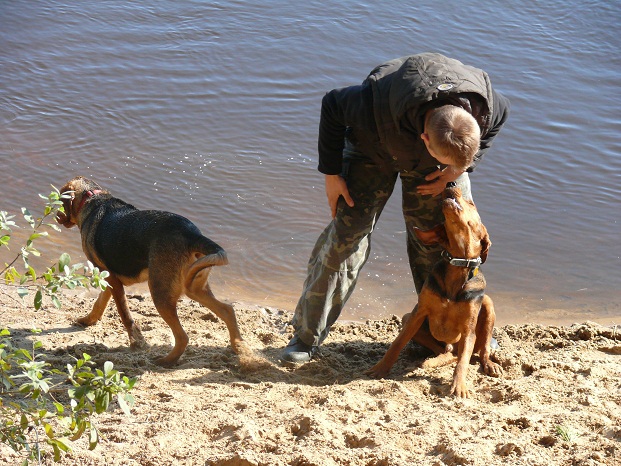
x: 298, y: 351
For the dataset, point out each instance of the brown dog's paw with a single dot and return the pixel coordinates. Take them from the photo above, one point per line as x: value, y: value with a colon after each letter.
x: 240, y: 347
x: 137, y: 344
x: 85, y: 321
x: 136, y: 340
x: 379, y: 371
x: 166, y: 361
x: 460, y: 389
x: 492, y: 369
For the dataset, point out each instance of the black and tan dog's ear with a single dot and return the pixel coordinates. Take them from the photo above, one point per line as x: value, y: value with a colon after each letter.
x: 435, y: 235
x: 485, y: 243
x: 67, y: 196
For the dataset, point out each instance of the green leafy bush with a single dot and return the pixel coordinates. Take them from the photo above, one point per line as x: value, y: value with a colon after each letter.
x: 40, y: 404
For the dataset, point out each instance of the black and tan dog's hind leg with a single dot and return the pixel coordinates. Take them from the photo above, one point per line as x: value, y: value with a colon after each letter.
x: 116, y: 290
x: 166, y: 289
x: 167, y: 286
x: 197, y: 288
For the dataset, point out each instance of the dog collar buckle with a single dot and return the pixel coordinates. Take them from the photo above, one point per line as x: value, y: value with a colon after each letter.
x: 467, y: 263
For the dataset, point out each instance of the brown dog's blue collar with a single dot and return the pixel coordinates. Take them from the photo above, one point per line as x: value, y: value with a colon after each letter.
x: 467, y: 263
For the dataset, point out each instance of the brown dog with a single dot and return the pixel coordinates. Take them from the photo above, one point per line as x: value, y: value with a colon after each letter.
x: 453, y: 298
x: 135, y: 246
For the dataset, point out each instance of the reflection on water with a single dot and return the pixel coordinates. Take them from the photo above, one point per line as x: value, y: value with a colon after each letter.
x: 211, y: 111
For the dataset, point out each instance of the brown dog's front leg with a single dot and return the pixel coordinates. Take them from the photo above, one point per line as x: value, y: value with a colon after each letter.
x: 485, y: 328
x: 382, y: 368
x: 136, y: 340
x: 460, y: 384
x: 423, y: 337
x: 98, y: 309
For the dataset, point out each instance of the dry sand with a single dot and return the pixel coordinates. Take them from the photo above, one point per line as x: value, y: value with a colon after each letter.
x: 218, y: 408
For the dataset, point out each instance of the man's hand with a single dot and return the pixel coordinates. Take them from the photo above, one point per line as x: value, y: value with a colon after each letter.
x: 437, y: 181
x: 335, y: 188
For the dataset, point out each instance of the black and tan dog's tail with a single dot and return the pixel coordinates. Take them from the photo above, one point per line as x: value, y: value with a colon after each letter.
x: 211, y: 254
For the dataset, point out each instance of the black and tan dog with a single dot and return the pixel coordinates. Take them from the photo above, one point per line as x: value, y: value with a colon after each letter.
x: 453, y: 298
x: 164, y: 249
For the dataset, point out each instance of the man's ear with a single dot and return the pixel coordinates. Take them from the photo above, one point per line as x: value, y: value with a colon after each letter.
x: 435, y: 235
x: 425, y: 137
x: 485, y: 243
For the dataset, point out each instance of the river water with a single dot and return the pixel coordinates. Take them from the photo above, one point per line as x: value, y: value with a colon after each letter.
x: 211, y: 109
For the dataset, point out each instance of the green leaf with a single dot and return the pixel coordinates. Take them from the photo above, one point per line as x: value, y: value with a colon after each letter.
x: 59, y: 407
x: 48, y: 430
x: 28, y: 216
x: 93, y: 438
x: 56, y: 451
x: 123, y: 405
x: 62, y: 445
x: 64, y: 261
x: 38, y: 300
x: 34, y: 236
x: 79, y: 432
x: 56, y: 302
x: 102, y: 402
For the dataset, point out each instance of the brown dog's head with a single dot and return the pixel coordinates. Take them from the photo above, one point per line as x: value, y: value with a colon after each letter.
x: 73, y: 195
x: 462, y: 234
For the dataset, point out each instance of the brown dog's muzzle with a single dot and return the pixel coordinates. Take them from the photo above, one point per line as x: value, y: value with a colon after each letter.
x: 452, y: 198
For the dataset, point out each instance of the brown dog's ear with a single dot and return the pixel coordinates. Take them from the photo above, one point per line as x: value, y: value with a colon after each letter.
x: 485, y: 243
x: 436, y: 235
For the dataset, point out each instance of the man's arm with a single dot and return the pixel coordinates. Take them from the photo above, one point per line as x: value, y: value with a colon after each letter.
x: 335, y: 188
x: 338, y: 108
x: 333, y: 122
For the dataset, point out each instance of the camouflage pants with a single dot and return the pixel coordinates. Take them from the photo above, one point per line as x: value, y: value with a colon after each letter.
x: 344, y: 246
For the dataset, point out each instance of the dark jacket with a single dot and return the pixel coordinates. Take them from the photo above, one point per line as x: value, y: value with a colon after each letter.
x: 384, y: 116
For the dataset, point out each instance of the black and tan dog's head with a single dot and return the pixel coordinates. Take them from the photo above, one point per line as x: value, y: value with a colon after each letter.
x: 462, y: 234
x: 73, y: 195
